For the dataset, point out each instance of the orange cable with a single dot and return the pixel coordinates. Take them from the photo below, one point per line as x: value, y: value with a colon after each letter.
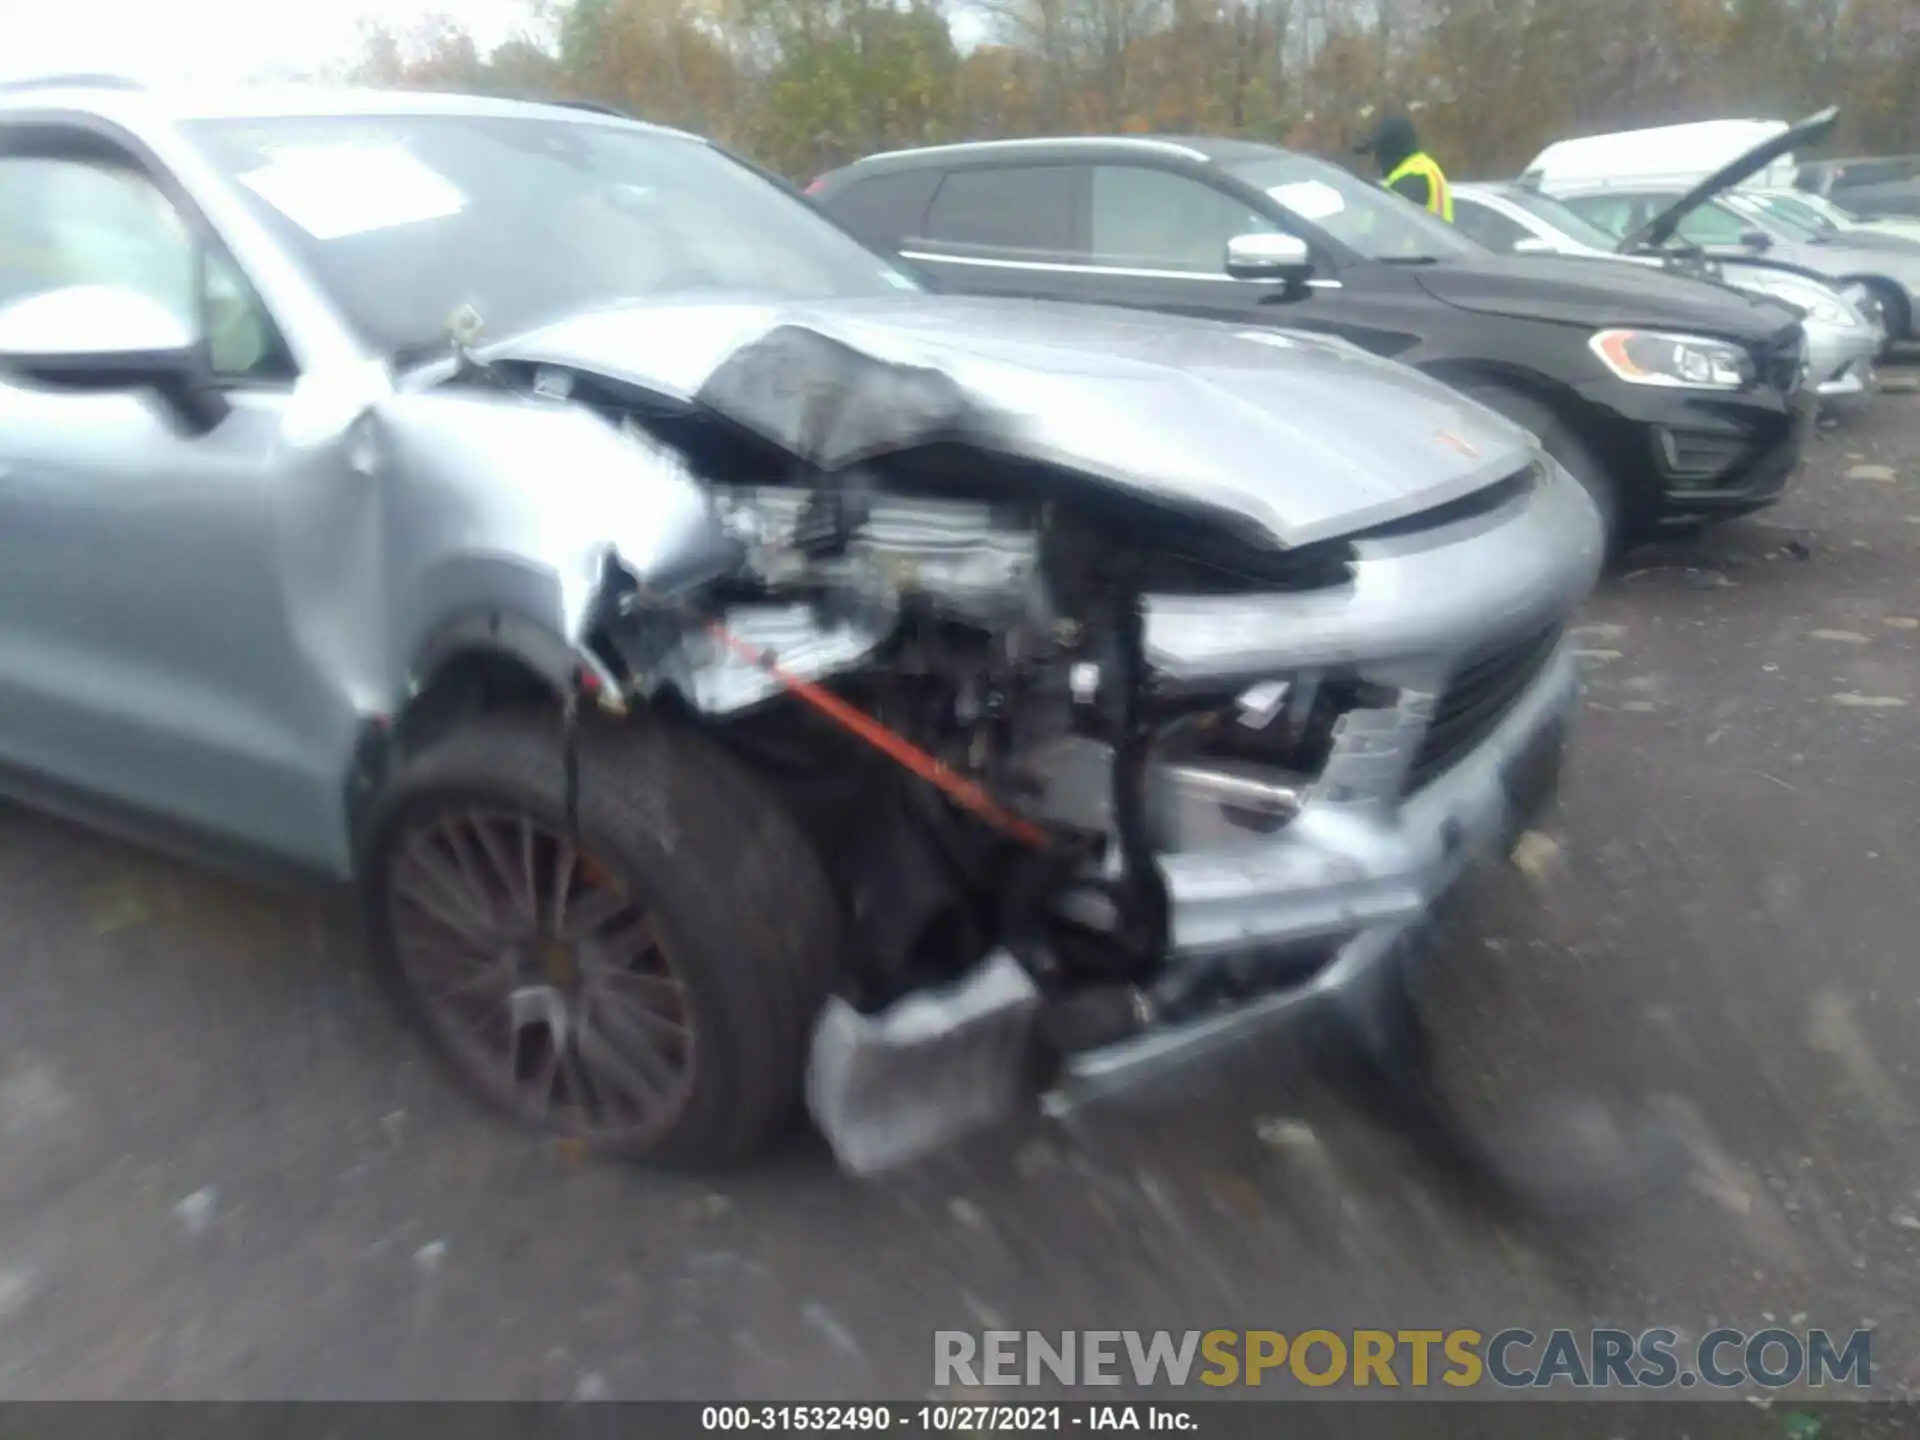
x: 891, y: 744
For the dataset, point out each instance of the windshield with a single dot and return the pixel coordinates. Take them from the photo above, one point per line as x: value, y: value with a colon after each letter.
x: 1368, y: 219
x: 1784, y: 227
x: 1820, y: 205
x: 1581, y: 232
x: 405, y: 219
x: 1787, y: 207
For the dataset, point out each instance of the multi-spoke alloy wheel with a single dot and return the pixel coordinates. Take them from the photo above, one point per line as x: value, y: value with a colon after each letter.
x: 630, y: 951
x: 543, y: 975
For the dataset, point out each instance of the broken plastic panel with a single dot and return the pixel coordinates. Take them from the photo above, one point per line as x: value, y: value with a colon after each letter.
x: 888, y: 1088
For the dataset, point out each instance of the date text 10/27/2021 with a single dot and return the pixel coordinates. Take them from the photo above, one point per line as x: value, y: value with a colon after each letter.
x: 946, y: 1419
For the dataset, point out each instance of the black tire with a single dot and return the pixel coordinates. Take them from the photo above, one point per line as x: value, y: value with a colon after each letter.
x: 1560, y: 441
x: 727, y: 923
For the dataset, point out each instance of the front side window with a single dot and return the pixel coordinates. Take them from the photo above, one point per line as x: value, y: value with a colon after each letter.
x: 67, y: 222
x: 1486, y: 225
x: 407, y: 220
x: 1713, y: 224
x: 1159, y: 220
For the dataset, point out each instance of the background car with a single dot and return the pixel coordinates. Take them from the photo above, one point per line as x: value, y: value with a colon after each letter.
x: 1725, y: 229
x: 1823, y: 216
x: 1649, y: 198
x: 1669, y: 399
x: 1874, y: 186
x: 1845, y: 330
x: 1669, y: 152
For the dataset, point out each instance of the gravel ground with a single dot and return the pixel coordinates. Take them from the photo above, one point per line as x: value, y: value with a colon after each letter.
x: 225, y: 1171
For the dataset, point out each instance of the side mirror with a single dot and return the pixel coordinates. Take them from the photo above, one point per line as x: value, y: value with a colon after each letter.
x: 1269, y: 256
x: 107, y: 338
x: 1534, y: 245
x: 1757, y: 240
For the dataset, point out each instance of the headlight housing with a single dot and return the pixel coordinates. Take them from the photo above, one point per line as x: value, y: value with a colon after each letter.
x: 1682, y: 362
x: 1819, y: 301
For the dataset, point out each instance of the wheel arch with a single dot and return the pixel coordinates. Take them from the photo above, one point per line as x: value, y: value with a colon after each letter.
x: 476, y: 662
x: 1561, y: 399
x: 1895, y: 306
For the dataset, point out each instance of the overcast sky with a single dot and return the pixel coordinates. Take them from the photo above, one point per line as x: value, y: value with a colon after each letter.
x: 225, y: 40
x: 214, y: 40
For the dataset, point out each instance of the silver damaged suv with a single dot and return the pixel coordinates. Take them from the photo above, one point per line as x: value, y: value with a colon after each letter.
x: 728, y: 673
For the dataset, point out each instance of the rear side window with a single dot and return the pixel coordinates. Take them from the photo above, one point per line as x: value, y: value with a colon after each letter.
x: 884, y: 209
x: 1028, y: 208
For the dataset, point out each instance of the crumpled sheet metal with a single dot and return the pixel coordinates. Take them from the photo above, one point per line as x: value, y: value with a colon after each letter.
x: 835, y: 406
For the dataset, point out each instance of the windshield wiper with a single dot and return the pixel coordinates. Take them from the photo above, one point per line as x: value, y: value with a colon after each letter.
x: 1410, y: 260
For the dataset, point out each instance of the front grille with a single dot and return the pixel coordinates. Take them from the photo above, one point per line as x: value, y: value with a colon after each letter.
x: 1474, y: 703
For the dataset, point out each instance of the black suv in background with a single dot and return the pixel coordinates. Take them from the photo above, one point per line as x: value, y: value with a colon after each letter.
x: 1672, y: 399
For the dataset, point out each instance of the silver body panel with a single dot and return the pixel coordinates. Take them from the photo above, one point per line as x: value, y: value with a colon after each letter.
x: 200, y: 628
x: 1189, y: 411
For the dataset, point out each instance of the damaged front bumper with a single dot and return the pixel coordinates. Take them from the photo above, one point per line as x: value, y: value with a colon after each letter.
x: 889, y: 1088
x: 1840, y: 362
x: 1461, y: 628
x: 1399, y: 863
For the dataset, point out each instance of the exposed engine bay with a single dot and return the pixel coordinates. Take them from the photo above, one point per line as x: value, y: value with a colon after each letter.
x: 935, y: 650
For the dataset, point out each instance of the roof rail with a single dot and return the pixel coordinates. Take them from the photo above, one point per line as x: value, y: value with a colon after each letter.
x: 76, y: 81
x: 1148, y: 142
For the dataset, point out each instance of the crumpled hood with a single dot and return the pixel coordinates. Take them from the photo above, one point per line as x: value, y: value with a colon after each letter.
x: 1288, y: 439
x: 1566, y: 290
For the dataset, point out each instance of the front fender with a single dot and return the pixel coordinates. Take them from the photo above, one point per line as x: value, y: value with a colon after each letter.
x: 510, y: 517
x: 568, y: 670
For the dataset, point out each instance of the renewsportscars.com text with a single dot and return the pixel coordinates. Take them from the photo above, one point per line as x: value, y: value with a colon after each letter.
x: 1514, y: 1358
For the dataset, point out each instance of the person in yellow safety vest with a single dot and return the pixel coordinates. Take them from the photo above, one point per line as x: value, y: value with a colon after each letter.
x: 1407, y: 169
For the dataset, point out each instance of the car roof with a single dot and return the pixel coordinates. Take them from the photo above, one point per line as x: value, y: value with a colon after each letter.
x: 1651, y: 185
x: 1200, y: 148
x: 1685, y: 152
x: 1491, y: 189
x: 122, y: 98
